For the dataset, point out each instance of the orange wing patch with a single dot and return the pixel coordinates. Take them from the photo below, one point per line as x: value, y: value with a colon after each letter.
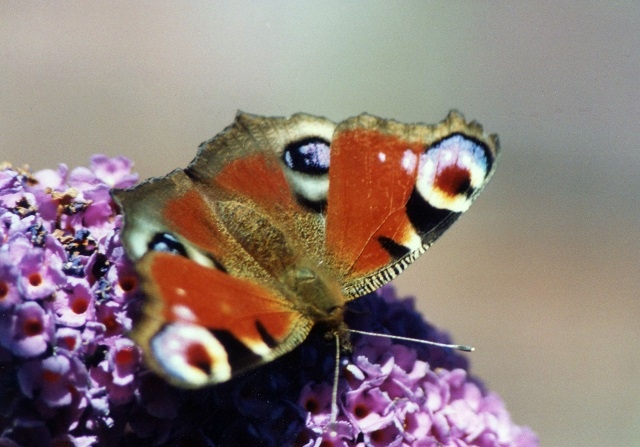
x: 381, y: 171
x: 208, y: 297
x: 259, y: 178
x: 197, y: 315
x: 191, y: 216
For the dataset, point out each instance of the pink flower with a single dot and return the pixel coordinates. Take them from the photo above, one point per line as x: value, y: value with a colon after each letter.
x: 28, y: 331
x: 75, y: 305
x: 117, y: 373
x: 68, y: 339
x: 53, y: 380
x: 115, y: 172
x: 9, y: 295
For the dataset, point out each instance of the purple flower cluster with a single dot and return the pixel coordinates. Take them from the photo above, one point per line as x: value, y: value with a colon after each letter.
x: 399, y: 394
x: 64, y: 288
x: 69, y: 376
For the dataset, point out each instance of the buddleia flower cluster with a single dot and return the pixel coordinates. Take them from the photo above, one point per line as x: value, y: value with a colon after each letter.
x: 69, y: 376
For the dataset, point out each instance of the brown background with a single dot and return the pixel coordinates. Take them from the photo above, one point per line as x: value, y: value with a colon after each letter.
x: 541, y: 276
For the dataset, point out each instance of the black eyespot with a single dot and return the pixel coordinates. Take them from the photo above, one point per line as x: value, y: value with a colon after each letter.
x: 308, y: 156
x: 166, y: 242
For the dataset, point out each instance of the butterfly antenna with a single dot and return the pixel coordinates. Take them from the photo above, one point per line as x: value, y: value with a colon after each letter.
x: 333, y: 424
x: 416, y: 340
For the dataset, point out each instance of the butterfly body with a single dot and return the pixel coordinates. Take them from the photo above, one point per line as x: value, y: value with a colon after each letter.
x: 279, y: 222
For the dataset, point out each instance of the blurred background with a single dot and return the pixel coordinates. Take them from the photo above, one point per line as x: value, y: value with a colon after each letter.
x: 542, y: 275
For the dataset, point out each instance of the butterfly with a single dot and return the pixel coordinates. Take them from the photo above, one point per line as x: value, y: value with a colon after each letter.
x: 279, y: 222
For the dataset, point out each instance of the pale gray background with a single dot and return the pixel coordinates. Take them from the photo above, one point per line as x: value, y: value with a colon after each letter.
x: 541, y: 276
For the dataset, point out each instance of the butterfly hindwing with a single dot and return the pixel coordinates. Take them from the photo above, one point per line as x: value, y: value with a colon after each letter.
x: 278, y: 222
x: 196, y: 331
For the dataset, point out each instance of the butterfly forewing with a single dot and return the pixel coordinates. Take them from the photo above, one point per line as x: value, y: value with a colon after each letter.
x: 413, y: 182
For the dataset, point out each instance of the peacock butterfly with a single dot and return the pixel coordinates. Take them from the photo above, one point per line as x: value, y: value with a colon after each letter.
x: 278, y: 222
